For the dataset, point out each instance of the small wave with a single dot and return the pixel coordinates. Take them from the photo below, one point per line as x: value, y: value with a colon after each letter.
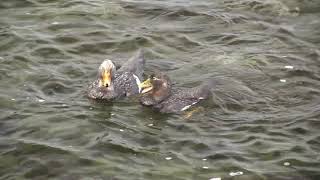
x: 9, y: 39
x: 66, y: 39
x: 314, y: 143
x: 53, y: 88
x: 270, y: 7
x: 16, y: 4
x: 49, y: 52
x: 191, y: 146
x: 121, y: 45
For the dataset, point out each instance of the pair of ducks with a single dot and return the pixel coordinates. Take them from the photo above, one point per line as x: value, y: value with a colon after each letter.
x: 156, y: 91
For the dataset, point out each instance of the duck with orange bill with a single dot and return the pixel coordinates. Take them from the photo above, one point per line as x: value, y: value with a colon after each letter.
x: 111, y: 84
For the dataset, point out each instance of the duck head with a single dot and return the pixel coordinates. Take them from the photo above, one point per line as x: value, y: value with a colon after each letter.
x: 106, y: 74
x: 155, y: 89
x: 103, y: 87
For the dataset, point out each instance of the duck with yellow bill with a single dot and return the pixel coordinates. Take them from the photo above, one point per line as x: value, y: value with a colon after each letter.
x: 158, y: 93
x: 111, y: 84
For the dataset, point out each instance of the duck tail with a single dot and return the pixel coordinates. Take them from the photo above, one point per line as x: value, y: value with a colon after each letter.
x: 135, y: 64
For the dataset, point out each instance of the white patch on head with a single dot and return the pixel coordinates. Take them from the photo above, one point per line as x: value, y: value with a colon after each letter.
x: 138, y: 82
x: 107, y: 64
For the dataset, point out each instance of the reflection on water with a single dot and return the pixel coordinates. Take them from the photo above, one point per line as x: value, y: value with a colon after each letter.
x: 263, y: 122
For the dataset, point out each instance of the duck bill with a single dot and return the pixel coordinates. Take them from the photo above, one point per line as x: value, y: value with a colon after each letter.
x: 106, y: 79
x: 146, y: 86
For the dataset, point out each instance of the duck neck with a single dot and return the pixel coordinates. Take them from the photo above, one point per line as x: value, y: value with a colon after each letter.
x: 161, y: 95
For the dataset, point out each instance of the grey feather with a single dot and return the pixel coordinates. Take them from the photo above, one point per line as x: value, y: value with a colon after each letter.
x: 135, y: 64
x: 123, y: 82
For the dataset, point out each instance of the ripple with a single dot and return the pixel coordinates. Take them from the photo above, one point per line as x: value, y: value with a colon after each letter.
x: 247, y: 140
x: 255, y: 124
x: 298, y: 149
x: 77, y: 2
x: 272, y: 155
x: 99, y: 47
x: 303, y: 72
x: 188, y: 145
x: 52, y: 165
x: 274, y: 8
x: 237, y: 41
x: 125, y: 44
x: 56, y: 26
x: 36, y: 170
x: 135, y: 43
x: 118, y: 148
x: 302, y: 162
x: 66, y: 39
x: 72, y: 71
x: 285, y: 176
x: 315, y: 143
x: 49, y: 52
x: 53, y: 88
x: 183, y: 12
x: 218, y: 156
x: 16, y: 4
x: 9, y: 40
x: 299, y: 130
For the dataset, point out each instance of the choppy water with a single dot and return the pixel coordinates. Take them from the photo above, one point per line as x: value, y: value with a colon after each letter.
x: 264, y: 123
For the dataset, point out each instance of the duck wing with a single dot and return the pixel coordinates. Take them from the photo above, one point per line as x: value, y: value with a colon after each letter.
x: 135, y: 64
x: 203, y: 91
x: 183, y: 99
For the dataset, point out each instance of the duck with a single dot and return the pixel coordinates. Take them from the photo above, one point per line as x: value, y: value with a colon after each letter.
x: 112, y: 83
x: 157, y: 92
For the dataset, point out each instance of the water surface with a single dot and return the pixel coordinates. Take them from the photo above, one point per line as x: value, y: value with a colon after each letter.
x: 263, y: 122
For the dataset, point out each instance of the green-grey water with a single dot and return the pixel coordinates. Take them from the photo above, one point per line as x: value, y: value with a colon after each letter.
x: 263, y: 122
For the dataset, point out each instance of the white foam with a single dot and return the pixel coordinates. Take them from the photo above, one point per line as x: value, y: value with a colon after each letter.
x: 168, y: 158
x: 238, y: 173
x: 288, y: 67
x: 215, y: 178
x: 283, y: 80
x: 286, y: 163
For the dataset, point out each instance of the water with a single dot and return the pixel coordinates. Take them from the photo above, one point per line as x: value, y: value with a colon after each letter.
x: 263, y: 124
